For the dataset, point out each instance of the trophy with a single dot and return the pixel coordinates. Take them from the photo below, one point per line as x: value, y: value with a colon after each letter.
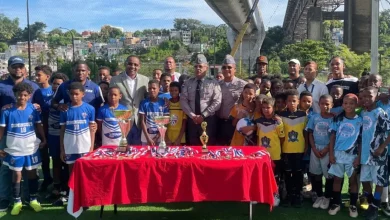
x: 124, y: 121
x: 161, y: 121
x: 204, y: 138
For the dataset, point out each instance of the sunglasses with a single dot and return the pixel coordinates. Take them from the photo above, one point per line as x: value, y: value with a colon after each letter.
x: 227, y: 67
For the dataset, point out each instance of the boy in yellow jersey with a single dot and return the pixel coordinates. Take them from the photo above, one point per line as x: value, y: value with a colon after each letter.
x: 270, y: 134
x: 176, y: 129
x: 293, y: 148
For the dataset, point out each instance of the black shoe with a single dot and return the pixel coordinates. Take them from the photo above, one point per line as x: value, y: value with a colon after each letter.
x: 297, y: 201
x: 4, y: 204
x: 45, y: 184
x: 60, y: 201
x: 385, y: 208
x: 372, y: 213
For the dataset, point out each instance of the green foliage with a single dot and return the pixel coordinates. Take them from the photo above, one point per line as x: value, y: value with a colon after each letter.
x: 355, y: 64
x: 36, y: 31
x: 108, y: 32
x: 3, y: 47
x: 274, y: 40
x: 8, y: 28
x: 186, y: 24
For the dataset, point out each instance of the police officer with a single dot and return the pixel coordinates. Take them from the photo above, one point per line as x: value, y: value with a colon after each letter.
x: 231, y: 88
x: 261, y: 68
x: 200, y: 99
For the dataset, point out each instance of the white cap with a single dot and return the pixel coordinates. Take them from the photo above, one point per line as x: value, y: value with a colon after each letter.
x: 295, y: 61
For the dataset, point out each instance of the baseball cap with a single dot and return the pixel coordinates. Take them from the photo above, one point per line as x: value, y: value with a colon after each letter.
x: 294, y: 61
x: 200, y: 59
x: 15, y: 60
x: 262, y: 59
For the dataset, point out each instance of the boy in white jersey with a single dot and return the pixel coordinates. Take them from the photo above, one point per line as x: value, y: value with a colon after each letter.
x: 108, y: 126
x: 22, y: 144
x: 76, y: 136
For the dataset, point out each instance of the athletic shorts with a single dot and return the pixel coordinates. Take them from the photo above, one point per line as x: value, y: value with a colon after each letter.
x: 17, y: 163
x: 378, y: 175
x: 71, y: 158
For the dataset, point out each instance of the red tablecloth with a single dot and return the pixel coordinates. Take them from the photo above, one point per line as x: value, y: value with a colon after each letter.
x: 161, y: 180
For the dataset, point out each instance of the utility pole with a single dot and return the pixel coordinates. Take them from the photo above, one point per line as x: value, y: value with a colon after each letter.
x: 374, y: 36
x: 29, y: 42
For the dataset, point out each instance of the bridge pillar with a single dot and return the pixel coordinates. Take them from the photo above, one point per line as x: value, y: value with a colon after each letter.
x: 314, y: 23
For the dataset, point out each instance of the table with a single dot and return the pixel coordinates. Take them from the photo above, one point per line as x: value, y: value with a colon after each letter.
x: 225, y: 174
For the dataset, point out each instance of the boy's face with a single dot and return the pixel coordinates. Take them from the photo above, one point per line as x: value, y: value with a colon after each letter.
x: 288, y: 85
x: 369, y: 98
x: 326, y: 105
x: 165, y: 82
x: 306, y: 102
x: 258, y: 82
x: 76, y: 95
x: 276, y: 88
x: 280, y: 104
x: 153, y: 90
x: 292, y: 102
x: 81, y: 72
x: 249, y: 94
x: 104, y: 89
x: 267, y: 110
x: 349, y: 105
x: 41, y: 77
x: 336, y: 93
x: 265, y: 87
x: 114, y: 95
x: 375, y: 81
x: 174, y: 91
x: 157, y: 74
x: 56, y: 83
x: 104, y: 75
x: 23, y: 97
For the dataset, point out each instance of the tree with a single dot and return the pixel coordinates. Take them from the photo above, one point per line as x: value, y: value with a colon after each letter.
x: 41, y: 58
x: 36, y: 31
x: 8, y: 28
x: 354, y: 63
x: 3, y: 47
x: 273, y: 40
x: 137, y: 34
x: 186, y: 24
x: 55, y: 31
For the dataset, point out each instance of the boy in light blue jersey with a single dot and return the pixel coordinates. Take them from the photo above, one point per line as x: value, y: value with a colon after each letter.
x: 374, y: 169
x: 148, y: 109
x: 318, y: 128
x: 18, y: 125
x: 344, y: 153
x: 76, y: 136
x: 108, y: 126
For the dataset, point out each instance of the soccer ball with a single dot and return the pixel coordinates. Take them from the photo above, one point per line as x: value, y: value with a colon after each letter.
x: 243, y: 122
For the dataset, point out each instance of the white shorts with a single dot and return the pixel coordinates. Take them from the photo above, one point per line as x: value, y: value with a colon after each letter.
x: 378, y: 175
x: 319, y: 166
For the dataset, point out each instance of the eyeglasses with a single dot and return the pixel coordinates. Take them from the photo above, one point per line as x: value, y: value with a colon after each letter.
x: 227, y: 67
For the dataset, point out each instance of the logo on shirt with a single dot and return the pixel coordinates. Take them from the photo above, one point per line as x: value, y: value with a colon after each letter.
x: 30, y: 118
x: 265, y: 142
x: 367, y: 123
x: 322, y: 128
x: 113, y: 135
x: 84, y: 115
x: 88, y: 90
x: 174, y: 119
x: 55, y: 125
x: 347, y: 130
x: 292, y: 136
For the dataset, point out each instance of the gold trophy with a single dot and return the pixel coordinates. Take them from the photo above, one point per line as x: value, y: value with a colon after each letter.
x: 204, y: 138
x: 161, y: 122
x: 124, y: 121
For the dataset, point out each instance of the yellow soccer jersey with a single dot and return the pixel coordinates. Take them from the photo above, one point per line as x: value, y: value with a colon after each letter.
x: 238, y: 139
x: 294, y: 124
x: 269, y: 132
x: 177, y: 117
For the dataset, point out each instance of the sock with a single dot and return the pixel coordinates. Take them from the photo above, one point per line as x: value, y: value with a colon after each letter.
x: 353, y: 198
x: 385, y: 194
x: 289, y: 183
x: 369, y: 197
x: 328, y: 188
x: 298, y: 182
x: 336, y: 197
x: 377, y: 195
x: 318, y: 186
x: 16, y: 191
x: 33, y: 188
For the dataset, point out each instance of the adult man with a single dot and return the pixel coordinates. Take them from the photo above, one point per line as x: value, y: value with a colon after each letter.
x: 349, y: 84
x: 17, y: 71
x: 133, y: 87
x: 104, y: 74
x: 293, y: 71
x: 170, y: 67
x: 200, y: 99
x: 231, y: 88
x: 261, y: 68
x: 312, y: 85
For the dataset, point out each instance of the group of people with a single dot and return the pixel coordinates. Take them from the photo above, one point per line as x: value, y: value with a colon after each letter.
x: 325, y: 129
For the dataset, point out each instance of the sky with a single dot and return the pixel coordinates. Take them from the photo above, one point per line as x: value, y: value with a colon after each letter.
x: 130, y: 14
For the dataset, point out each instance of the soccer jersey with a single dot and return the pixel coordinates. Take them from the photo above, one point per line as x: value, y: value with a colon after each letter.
x: 348, y: 134
x: 385, y: 107
x: 43, y: 97
x: 77, y: 137
x: 21, y: 139
x: 320, y: 127
x: 239, y: 139
x: 269, y: 132
x: 54, y: 121
x: 150, y: 110
x: 177, y: 117
x: 294, y: 124
x: 336, y: 110
x: 164, y: 95
x: 376, y: 124
x: 111, y: 132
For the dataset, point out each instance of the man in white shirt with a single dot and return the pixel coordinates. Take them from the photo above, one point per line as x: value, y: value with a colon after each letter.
x: 170, y: 68
x: 312, y: 85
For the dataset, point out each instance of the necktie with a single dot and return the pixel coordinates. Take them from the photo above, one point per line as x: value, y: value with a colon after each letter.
x: 197, y: 98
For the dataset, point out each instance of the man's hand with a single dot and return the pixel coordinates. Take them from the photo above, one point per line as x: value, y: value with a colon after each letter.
x: 37, y: 107
x: 62, y: 107
x: 7, y: 106
x: 42, y: 145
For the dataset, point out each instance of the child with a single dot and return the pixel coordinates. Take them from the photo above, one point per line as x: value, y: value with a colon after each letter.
x: 270, y: 134
x: 148, y: 109
x: 288, y: 84
x: 337, y: 94
x: 363, y: 82
x: 107, y: 124
x: 376, y: 125
x: 157, y: 74
x: 294, y: 121
x: 104, y: 88
x: 257, y: 82
x: 280, y: 103
x: 18, y: 123
x: 176, y: 129
x: 259, y: 100
x: 276, y: 86
x: 265, y: 87
x: 244, y: 110
x: 344, y: 155
x: 165, y: 80
x: 76, y: 137
x: 375, y: 80
x: 318, y: 128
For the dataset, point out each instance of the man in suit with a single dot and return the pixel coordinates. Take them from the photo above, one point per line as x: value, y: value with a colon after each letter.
x: 134, y: 88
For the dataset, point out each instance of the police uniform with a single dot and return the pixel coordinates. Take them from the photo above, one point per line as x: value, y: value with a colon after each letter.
x: 231, y: 92
x: 210, y: 101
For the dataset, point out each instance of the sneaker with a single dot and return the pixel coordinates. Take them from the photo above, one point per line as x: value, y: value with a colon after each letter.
x: 34, y: 204
x: 372, y: 213
x: 385, y: 208
x: 4, y: 204
x: 318, y: 202
x: 16, y: 208
x: 60, y: 201
x: 334, y: 209
x: 353, y: 211
x: 276, y: 200
x: 325, y: 203
x: 364, y: 204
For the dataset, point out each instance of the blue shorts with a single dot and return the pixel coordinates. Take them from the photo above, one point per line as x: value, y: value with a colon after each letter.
x: 17, y: 163
x: 71, y: 158
x: 53, y: 142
